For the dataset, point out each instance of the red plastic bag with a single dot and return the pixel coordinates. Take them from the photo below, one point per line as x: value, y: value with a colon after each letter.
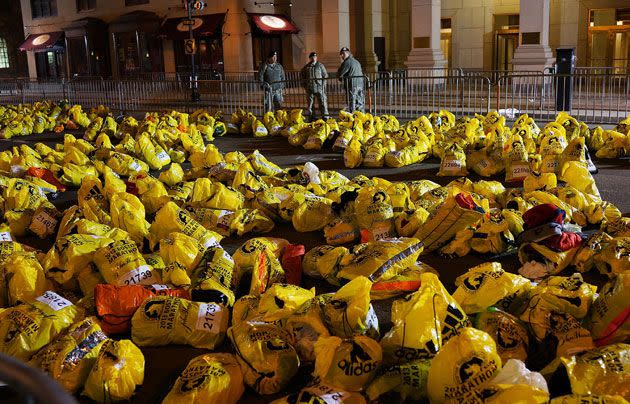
x: 292, y: 263
x: 115, y: 305
x: 47, y: 176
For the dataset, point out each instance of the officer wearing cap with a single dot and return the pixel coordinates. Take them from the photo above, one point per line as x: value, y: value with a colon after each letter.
x: 351, y: 73
x: 271, y: 75
x: 313, y: 79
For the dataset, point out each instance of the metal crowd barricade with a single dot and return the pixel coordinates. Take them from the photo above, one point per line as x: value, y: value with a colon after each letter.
x: 596, y: 98
x: 295, y: 95
x: 410, y: 97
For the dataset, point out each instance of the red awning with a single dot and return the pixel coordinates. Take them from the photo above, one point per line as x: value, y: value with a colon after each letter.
x: 272, y: 24
x: 203, y: 26
x: 49, y: 41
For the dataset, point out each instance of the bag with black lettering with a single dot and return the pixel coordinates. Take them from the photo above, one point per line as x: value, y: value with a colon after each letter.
x: 212, y: 377
x: 379, y: 260
x: 305, y: 326
x: 26, y: 328
x: 165, y: 320
x: 408, y: 380
x: 349, y: 364
x: 608, y: 316
x: 422, y: 322
x: 456, y: 213
x: 214, y: 275
x: 487, y: 285
x: 349, y: 312
x: 267, y: 359
x: 453, y: 163
x: 559, y: 294
x: 70, y: 357
x: 604, y: 370
x: 463, y: 366
x: 121, y: 263
x: 509, y: 333
x: 173, y: 219
x: 118, y: 370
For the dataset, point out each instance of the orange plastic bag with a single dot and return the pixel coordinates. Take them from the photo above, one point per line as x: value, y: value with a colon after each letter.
x: 115, y: 305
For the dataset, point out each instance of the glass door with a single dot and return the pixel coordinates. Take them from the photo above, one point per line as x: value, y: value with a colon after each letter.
x: 504, y: 46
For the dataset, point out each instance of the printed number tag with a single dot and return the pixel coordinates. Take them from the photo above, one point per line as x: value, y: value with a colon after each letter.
x: 53, y: 300
x: 209, y: 317
x: 143, y: 275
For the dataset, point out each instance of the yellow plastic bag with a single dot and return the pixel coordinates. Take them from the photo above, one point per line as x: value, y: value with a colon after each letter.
x: 267, y: 271
x: 613, y: 258
x: 121, y: 263
x: 353, y: 154
x: 422, y: 322
x: 340, y: 231
x: 608, y: 317
x: 304, y: 327
x: 453, y: 163
x: 349, y: 364
x: 22, y: 279
x: 26, y: 328
x: 372, y: 205
x: 466, y: 363
x: 320, y: 392
x: 559, y: 294
x: 487, y: 285
x: 118, y: 369
x: 127, y: 213
x: 182, y: 249
x: 510, y: 335
x: 214, y: 273
x: 267, y: 359
x: 212, y: 377
x: 349, y: 312
x: 92, y: 201
x: 174, y: 175
x: 71, y: 254
x: 313, y: 214
x: 605, y: 370
x: 281, y: 300
x: 588, y: 399
x: 409, y: 380
x: 173, y: 219
x: 323, y: 261
x: 445, y: 222
x: 380, y: 260
x: 70, y: 357
x: 246, y: 256
x: 165, y: 320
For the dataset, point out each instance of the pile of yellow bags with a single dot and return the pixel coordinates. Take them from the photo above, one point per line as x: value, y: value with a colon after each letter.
x: 156, y: 239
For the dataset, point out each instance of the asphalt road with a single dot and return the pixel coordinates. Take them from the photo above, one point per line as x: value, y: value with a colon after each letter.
x: 163, y: 364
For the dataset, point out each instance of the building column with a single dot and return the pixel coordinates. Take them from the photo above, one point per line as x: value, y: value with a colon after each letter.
x: 335, y: 31
x: 370, y: 16
x: 534, y: 53
x: 237, y: 38
x: 425, y: 35
x: 168, y: 55
x: 32, y: 65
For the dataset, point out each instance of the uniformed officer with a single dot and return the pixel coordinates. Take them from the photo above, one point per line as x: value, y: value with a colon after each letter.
x: 271, y: 74
x: 313, y: 75
x: 350, y: 67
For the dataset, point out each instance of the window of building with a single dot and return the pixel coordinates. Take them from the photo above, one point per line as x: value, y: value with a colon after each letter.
x: 446, y: 43
x: 129, y: 3
x: 4, y: 54
x: 84, y: 5
x: 44, y: 8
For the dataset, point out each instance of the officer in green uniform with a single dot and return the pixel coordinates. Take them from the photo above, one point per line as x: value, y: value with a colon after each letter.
x: 271, y: 74
x: 351, y: 74
x: 313, y: 75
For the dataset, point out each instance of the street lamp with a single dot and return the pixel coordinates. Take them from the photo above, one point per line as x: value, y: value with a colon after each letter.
x: 191, y: 5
